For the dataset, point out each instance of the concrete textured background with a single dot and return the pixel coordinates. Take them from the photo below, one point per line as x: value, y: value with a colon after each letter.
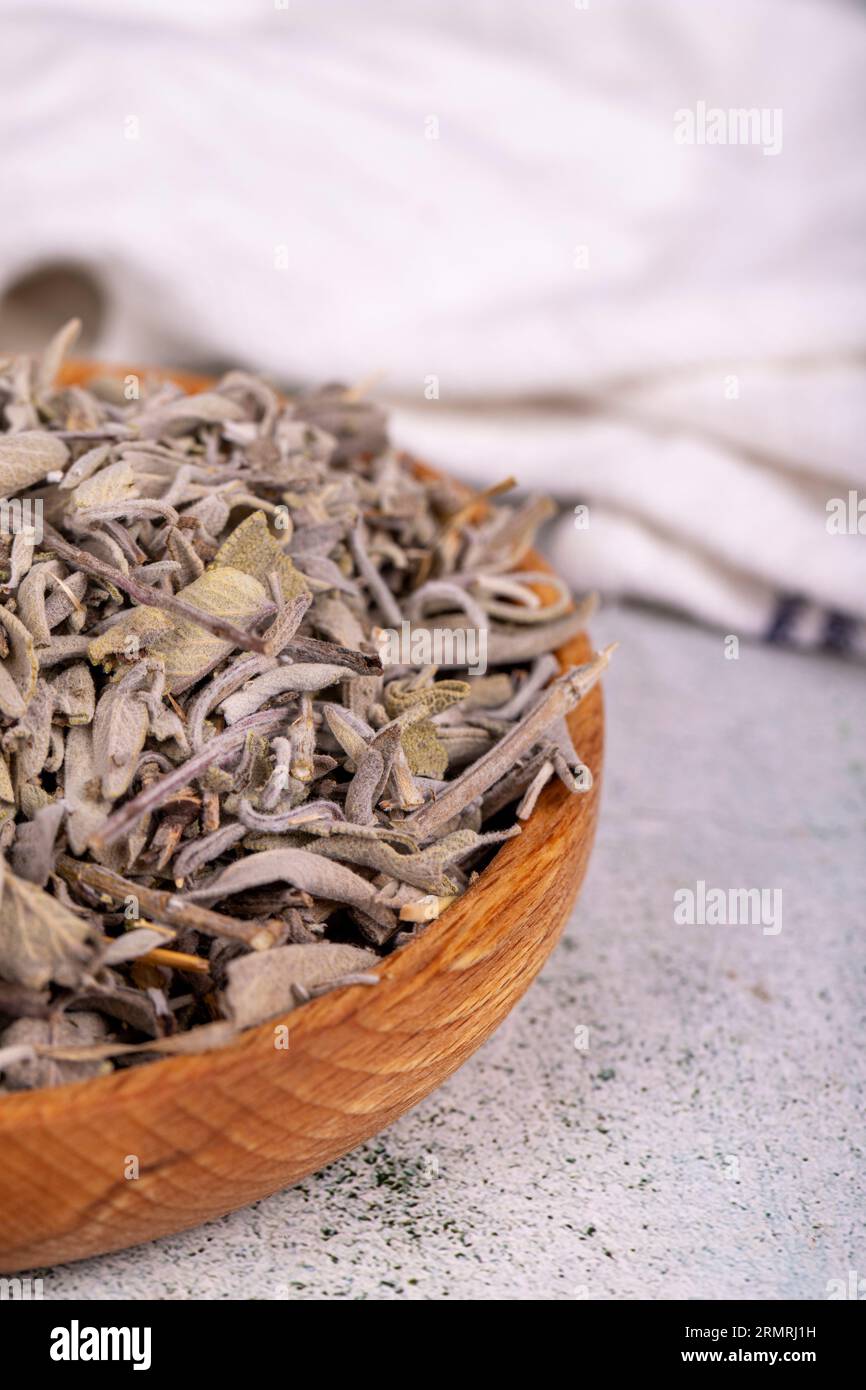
x: 708, y: 1141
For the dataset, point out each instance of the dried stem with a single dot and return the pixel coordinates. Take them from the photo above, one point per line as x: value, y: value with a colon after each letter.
x: 175, y: 960
x: 385, y: 600
x: 160, y: 905
x: 154, y: 598
x: 153, y: 795
x: 556, y: 701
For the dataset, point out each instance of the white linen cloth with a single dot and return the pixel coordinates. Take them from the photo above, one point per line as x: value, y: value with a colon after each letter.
x: 488, y: 200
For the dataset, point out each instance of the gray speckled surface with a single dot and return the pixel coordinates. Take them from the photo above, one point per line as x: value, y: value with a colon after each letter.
x: 708, y: 1142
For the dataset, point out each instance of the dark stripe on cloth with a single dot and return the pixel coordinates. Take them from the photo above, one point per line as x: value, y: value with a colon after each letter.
x: 839, y: 632
x: 787, y: 610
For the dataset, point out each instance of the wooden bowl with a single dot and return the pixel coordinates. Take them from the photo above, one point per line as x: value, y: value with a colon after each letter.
x: 216, y: 1131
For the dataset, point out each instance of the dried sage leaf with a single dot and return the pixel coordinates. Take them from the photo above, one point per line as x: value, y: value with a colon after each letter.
x: 252, y: 548
x: 18, y: 671
x: 40, y: 940
x: 33, y: 855
x: 28, y: 457
x: 24, y: 1070
x: 120, y: 727
x: 264, y: 985
x: 112, y: 484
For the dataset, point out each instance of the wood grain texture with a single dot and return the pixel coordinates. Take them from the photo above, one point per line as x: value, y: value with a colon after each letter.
x: 217, y: 1131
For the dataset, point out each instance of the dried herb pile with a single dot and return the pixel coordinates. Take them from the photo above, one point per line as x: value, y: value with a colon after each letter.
x: 215, y: 802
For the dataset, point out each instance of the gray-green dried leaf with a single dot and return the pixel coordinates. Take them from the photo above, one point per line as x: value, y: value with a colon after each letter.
x: 81, y: 792
x: 309, y: 872
x: 74, y: 694
x: 18, y: 670
x: 40, y: 939
x: 28, y: 457
x: 33, y: 856
x: 30, y: 739
x: 52, y: 358
x: 188, y: 412
x: 252, y: 547
x: 264, y: 984
x: 28, y: 1071
x: 84, y: 466
x: 189, y: 651
x: 300, y: 676
x: 133, y: 944
x: 116, y: 483
x: 119, y: 729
